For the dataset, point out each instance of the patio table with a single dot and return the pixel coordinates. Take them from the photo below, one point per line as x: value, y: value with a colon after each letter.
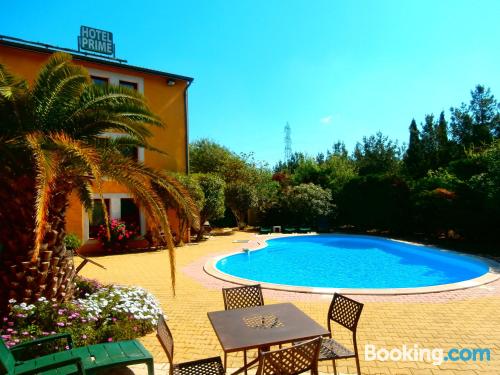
x: 261, y: 327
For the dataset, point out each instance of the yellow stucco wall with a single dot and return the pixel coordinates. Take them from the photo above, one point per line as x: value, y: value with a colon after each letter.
x: 164, y: 100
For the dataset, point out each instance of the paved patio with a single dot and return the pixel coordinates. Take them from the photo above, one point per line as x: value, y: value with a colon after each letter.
x: 463, y: 319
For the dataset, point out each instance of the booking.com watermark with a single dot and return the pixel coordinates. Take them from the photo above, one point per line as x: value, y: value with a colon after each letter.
x: 415, y: 353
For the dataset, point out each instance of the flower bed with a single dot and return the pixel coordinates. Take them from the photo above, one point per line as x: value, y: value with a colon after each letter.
x: 101, y: 313
x: 119, y: 234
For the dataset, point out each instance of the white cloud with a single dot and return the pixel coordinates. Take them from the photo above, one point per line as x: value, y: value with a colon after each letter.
x: 326, y: 120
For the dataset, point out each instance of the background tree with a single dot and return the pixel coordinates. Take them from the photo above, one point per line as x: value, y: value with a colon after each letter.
x: 52, y: 144
x: 443, y: 146
x: 240, y: 197
x: 475, y: 125
x: 377, y: 154
x: 307, y: 203
x: 339, y: 169
x: 413, y: 156
x: 213, y: 190
x: 375, y: 202
x: 428, y: 144
x: 192, y: 185
x: 240, y: 173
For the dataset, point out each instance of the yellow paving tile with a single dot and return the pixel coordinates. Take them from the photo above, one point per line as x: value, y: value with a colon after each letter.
x: 457, y: 322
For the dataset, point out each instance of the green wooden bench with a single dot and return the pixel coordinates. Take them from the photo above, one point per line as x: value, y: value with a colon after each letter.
x: 83, y: 360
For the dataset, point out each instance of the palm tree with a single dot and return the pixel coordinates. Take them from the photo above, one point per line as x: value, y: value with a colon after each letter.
x: 52, y: 144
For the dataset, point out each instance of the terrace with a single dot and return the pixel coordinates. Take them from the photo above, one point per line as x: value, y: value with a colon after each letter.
x: 465, y: 318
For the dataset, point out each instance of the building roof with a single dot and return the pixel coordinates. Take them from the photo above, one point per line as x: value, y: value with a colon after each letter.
x: 78, y: 55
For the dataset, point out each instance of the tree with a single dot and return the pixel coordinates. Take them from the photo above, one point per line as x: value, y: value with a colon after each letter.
x: 375, y: 202
x: 413, y: 156
x: 290, y: 165
x: 207, y: 156
x: 52, y: 144
x: 485, y: 112
x: 429, y: 143
x: 240, y: 173
x: 240, y: 197
x: 213, y: 189
x: 338, y: 149
x: 306, y: 203
x: 443, y: 147
x: 196, y: 193
x: 377, y: 154
x: 338, y: 170
x: 474, y: 126
x: 308, y: 171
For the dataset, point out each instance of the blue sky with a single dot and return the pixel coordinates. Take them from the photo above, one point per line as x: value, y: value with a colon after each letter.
x: 335, y: 70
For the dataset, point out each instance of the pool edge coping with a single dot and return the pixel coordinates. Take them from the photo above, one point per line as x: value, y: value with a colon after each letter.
x: 492, y: 275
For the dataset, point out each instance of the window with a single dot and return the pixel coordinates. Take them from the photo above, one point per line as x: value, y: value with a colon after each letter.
x: 129, y: 85
x: 101, y: 81
x: 131, y: 152
x: 96, y: 219
x: 130, y: 214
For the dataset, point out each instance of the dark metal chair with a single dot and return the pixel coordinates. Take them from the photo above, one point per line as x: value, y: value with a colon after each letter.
x: 238, y: 298
x: 242, y: 296
x: 345, y: 312
x: 208, y: 366
x: 293, y: 360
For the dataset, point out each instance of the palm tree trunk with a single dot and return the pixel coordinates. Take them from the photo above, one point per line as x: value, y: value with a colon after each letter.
x: 52, y: 274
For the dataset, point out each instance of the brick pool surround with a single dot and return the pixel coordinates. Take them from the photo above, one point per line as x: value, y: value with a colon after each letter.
x: 261, y: 242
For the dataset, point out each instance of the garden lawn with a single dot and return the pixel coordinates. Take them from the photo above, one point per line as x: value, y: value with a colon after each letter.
x: 441, y: 320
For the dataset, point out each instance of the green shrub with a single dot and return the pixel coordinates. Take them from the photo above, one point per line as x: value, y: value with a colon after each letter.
x: 72, y: 241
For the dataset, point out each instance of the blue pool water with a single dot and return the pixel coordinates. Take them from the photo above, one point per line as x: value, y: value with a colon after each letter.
x: 347, y: 261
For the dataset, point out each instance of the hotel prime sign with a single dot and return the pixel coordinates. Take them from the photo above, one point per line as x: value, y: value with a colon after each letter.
x: 96, y: 40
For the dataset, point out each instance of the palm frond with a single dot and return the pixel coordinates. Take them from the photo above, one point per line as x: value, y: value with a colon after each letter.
x: 85, y: 193
x: 92, y: 162
x: 121, y: 142
x: 137, y: 179
x: 44, y: 177
x: 10, y: 84
x: 115, y: 99
x: 58, y: 86
x: 178, y: 193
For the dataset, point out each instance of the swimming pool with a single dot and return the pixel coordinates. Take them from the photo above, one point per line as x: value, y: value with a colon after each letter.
x: 350, y: 262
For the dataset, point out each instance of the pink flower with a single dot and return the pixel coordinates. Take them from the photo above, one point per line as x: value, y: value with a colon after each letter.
x: 25, y: 333
x: 10, y: 324
x: 110, y: 339
x: 60, y: 324
x: 120, y: 237
x: 5, y: 337
x: 84, y: 337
